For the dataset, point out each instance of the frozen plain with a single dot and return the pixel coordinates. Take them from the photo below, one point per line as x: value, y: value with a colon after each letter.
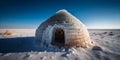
x: 21, y: 45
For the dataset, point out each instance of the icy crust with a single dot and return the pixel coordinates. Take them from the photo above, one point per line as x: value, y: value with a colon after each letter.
x: 55, y: 53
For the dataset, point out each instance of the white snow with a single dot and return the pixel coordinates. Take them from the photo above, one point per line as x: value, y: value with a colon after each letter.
x: 62, y: 10
x: 24, y: 48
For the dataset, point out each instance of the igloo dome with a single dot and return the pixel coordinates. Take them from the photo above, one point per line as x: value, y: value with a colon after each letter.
x: 63, y: 29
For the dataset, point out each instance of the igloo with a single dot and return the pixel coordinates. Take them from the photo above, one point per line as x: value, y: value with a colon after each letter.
x: 63, y: 29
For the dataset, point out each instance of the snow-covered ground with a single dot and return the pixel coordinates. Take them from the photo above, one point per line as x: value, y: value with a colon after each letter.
x: 21, y: 46
x: 17, y: 33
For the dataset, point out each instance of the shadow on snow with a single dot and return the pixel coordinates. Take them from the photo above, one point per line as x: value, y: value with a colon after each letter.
x: 19, y: 44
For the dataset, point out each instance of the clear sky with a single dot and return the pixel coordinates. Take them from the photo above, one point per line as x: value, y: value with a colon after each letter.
x: 30, y: 13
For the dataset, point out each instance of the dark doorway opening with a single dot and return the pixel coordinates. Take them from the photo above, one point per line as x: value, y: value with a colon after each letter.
x: 58, y: 37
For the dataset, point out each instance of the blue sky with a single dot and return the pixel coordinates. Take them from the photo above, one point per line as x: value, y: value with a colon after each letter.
x: 31, y: 13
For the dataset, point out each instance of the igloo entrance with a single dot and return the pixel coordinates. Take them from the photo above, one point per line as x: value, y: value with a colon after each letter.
x: 58, y: 37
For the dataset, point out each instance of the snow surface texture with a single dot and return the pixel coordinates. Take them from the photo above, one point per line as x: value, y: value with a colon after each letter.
x: 22, y: 46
